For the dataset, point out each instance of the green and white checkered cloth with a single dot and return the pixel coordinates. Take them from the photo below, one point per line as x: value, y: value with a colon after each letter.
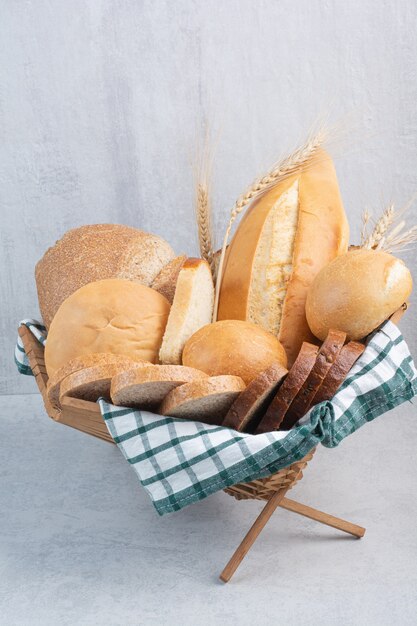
x: 179, y: 461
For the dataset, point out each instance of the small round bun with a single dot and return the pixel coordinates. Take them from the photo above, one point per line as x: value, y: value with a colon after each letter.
x: 356, y: 292
x: 115, y: 316
x: 233, y: 347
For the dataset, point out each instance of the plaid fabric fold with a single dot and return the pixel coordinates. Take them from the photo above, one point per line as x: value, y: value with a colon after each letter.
x: 179, y: 462
x: 20, y: 358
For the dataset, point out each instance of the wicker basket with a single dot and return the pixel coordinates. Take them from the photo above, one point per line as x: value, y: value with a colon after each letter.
x: 264, y: 488
x: 86, y: 416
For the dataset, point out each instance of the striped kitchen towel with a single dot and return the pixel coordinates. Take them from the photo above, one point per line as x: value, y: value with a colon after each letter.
x: 179, y: 462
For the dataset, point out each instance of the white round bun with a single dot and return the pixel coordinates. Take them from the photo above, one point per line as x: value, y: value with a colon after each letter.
x: 356, y: 292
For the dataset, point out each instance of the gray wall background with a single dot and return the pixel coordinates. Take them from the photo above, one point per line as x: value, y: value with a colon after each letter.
x: 102, y: 101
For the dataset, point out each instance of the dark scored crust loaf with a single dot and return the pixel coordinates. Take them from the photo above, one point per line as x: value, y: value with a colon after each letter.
x: 326, y: 356
x: 250, y: 406
x: 290, y: 387
x: 349, y: 354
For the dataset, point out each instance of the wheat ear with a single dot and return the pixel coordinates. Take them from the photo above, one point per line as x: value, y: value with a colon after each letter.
x: 366, y: 216
x: 376, y: 239
x: 204, y: 224
x: 203, y: 202
x: 296, y: 161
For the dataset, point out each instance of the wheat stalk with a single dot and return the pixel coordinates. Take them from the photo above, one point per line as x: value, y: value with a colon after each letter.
x: 203, y: 203
x: 387, y: 236
x: 204, y: 223
x: 366, y: 216
x: 296, y: 161
x: 376, y: 239
x: 400, y: 239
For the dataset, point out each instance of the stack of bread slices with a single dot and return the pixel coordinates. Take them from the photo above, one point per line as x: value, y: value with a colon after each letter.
x: 275, y: 398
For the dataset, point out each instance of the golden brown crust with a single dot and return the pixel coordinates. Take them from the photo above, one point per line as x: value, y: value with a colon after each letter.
x: 322, y: 234
x: 348, y: 356
x: 357, y: 292
x: 233, y: 347
x: 249, y: 407
x: 328, y: 353
x: 240, y: 255
x: 288, y: 390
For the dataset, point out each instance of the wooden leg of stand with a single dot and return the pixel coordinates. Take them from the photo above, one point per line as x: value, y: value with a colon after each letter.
x: 323, y: 518
x: 252, y: 534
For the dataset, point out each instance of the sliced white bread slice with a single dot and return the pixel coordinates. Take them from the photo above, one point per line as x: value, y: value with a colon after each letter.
x: 145, y: 388
x: 94, y: 382
x: 191, y: 309
x: 204, y: 401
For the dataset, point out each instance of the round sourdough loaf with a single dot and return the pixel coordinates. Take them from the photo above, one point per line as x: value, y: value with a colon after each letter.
x: 95, y: 252
x: 233, y: 347
x: 115, y: 315
x: 286, y: 236
x: 356, y: 292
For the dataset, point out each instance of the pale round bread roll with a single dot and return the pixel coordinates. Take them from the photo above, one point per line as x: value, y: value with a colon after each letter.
x: 97, y: 252
x: 115, y: 315
x: 233, y: 347
x: 356, y: 292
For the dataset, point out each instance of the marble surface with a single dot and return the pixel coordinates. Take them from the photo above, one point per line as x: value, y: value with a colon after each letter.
x: 80, y: 542
x: 103, y: 105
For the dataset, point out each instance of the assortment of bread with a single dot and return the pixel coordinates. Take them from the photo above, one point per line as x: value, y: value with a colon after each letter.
x: 250, y: 337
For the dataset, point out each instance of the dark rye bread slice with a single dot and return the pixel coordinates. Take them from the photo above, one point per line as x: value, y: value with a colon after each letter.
x: 348, y: 356
x: 326, y: 356
x: 295, y: 379
x: 250, y: 406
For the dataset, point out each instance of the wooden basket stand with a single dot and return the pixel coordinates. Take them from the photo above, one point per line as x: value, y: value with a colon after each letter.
x: 86, y: 416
